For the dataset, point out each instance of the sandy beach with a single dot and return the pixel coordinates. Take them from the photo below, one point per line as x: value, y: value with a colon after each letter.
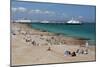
x: 30, y: 46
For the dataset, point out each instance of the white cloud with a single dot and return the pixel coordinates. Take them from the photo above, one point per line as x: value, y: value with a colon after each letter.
x: 80, y: 17
x: 19, y: 9
x: 37, y: 11
x: 32, y: 11
x: 14, y: 9
x: 64, y: 14
x: 47, y: 12
x: 22, y: 9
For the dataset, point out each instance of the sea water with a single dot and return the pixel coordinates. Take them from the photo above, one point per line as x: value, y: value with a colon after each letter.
x: 85, y: 30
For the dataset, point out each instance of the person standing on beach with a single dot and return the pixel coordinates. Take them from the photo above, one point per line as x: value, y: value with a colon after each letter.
x: 49, y: 49
x: 86, y: 44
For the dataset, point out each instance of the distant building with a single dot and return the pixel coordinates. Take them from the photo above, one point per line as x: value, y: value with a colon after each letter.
x: 24, y: 21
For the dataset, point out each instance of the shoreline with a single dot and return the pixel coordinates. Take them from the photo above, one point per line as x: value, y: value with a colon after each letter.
x: 63, y: 35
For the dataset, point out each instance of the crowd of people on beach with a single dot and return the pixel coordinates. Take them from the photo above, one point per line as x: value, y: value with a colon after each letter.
x: 28, y: 38
x: 74, y: 53
x: 81, y: 50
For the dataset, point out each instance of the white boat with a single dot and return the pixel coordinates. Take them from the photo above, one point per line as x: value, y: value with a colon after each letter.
x: 72, y: 21
x: 44, y: 21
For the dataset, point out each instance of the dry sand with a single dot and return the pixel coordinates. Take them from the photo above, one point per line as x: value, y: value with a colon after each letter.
x: 24, y: 53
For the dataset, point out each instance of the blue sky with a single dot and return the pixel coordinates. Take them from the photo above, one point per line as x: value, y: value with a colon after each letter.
x: 52, y: 11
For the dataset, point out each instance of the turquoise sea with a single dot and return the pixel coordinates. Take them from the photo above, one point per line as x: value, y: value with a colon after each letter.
x: 85, y: 30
